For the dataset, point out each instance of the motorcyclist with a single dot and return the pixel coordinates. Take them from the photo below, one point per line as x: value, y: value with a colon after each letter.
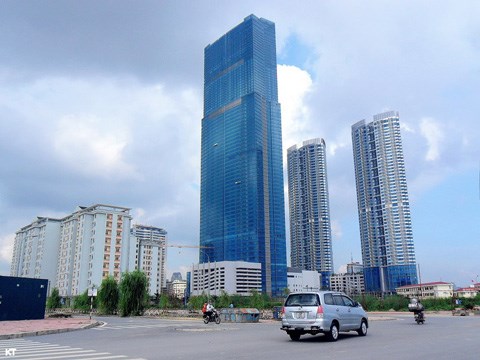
x: 210, y: 310
x: 417, y: 308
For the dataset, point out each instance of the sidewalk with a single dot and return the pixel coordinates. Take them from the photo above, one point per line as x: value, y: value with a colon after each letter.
x: 21, y: 328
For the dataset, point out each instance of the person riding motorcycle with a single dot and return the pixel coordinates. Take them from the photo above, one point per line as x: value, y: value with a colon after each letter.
x: 210, y: 309
x: 417, y: 308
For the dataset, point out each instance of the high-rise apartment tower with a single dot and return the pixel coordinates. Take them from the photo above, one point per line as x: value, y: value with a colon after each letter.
x: 150, y: 255
x: 310, y: 229
x: 383, y: 208
x: 242, y: 215
x: 76, y: 252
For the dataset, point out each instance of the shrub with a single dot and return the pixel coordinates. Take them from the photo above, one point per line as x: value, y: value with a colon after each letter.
x: 54, y: 300
x: 82, y: 302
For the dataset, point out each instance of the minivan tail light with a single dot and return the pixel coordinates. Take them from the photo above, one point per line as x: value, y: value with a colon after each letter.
x: 320, y: 311
x: 282, y: 314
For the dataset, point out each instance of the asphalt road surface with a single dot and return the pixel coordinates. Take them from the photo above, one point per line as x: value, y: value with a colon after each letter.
x: 394, y: 337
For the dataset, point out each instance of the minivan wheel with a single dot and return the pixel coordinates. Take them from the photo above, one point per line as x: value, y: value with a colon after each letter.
x: 295, y: 336
x: 362, y: 331
x: 333, y: 333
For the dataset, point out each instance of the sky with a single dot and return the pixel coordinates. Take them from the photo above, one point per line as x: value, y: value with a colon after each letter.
x: 102, y: 101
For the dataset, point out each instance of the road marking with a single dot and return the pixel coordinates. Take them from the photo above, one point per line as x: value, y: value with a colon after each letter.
x: 34, y: 350
x: 136, y: 326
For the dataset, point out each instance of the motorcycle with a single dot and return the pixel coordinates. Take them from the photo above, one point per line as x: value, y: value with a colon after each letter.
x: 417, y: 308
x: 419, y: 317
x: 213, y: 317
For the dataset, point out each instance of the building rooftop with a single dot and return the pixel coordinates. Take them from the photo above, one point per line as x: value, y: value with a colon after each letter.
x: 425, y: 284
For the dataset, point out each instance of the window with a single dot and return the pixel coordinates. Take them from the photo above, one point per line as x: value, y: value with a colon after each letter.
x: 328, y: 298
x: 347, y: 301
x: 338, y: 300
x: 302, y: 300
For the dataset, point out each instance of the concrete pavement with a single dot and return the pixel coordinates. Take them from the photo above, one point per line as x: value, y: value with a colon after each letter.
x: 21, y: 328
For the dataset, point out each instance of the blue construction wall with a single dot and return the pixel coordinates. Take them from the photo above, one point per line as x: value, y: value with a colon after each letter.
x: 22, y: 298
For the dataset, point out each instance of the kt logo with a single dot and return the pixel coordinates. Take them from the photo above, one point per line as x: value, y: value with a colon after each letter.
x: 10, y: 352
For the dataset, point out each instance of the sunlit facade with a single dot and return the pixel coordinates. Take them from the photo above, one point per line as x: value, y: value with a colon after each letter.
x: 383, y: 207
x: 309, y: 206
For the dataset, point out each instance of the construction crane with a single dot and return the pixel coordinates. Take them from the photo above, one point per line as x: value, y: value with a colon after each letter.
x: 188, y: 246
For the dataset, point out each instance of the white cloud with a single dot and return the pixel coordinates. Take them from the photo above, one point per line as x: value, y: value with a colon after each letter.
x: 6, y: 247
x: 434, y: 135
x: 82, y: 145
x: 342, y: 269
x: 294, y: 84
x: 337, y: 232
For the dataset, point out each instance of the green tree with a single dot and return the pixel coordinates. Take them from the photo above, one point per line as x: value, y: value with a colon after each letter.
x: 108, y: 296
x: 224, y: 300
x: 196, y: 302
x: 164, y: 302
x: 82, y: 301
x: 259, y: 300
x: 133, y: 293
x: 54, y: 300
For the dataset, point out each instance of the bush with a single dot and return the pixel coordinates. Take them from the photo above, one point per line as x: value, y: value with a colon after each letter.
x: 82, y: 302
x: 256, y: 300
x: 54, y: 300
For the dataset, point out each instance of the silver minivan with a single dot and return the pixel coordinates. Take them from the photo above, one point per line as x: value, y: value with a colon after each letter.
x: 325, y: 312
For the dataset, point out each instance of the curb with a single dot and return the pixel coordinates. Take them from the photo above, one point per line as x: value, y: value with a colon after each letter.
x: 47, y: 332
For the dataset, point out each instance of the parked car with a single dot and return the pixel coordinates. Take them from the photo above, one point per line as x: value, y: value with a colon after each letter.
x: 325, y: 312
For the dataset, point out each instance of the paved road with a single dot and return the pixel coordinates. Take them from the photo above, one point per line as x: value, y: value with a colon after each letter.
x: 140, y: 338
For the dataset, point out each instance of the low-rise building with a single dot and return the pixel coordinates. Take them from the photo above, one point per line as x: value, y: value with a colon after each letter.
x: 432, y: 290
x: 232, y: 277
x: 303, y: 280
x: 177, y: 288
x: 468, y: 292
x: 350, y: 283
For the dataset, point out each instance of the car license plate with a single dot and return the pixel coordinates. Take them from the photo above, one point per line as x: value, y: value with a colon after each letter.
x: 300, y: 315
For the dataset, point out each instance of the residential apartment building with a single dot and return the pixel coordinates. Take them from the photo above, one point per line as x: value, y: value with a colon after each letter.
x: 310, y: 229
x: 232, y: 277
x: 35, y: 250
x: 388, y: 253
x: 76, y: 252
x: 431, y: 290
x: 242, y: 215
x: 150, y: 255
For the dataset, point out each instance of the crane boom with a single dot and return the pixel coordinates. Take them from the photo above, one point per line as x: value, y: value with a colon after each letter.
x: 188, y: 246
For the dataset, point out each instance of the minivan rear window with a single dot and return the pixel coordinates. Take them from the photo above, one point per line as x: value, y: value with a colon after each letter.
x: 302, y: 300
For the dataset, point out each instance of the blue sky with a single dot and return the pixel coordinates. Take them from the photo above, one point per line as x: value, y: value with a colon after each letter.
x: 101, y: 102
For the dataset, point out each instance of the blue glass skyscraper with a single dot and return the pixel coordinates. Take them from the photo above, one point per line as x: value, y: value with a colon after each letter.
x: 242, y: 215
x: 383, y: 208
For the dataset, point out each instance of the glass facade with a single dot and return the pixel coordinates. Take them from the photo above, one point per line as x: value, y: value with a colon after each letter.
x: 383, y: 207
x: 242, y: 216
x: 310, y: 229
